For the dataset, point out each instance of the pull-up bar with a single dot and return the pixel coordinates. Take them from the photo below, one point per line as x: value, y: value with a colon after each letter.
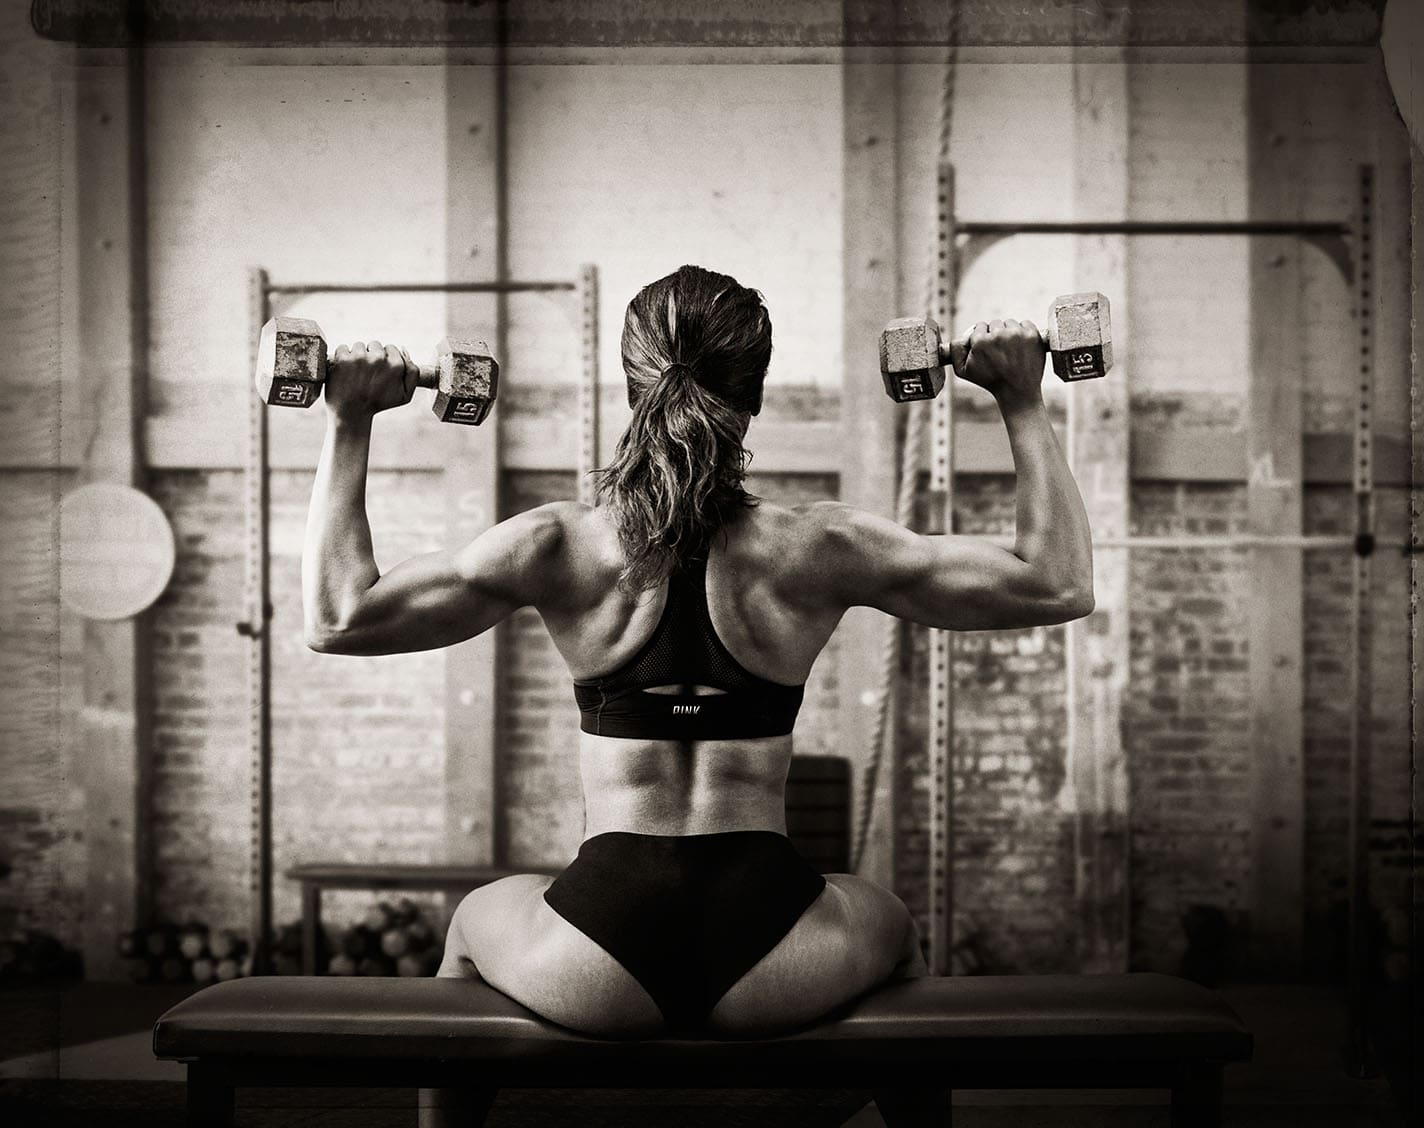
x: 1330, y: 236
x: 420, y: 287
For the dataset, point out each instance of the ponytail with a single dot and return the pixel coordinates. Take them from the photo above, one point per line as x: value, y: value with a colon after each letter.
x: 676, y: 476
x: 695, y: 351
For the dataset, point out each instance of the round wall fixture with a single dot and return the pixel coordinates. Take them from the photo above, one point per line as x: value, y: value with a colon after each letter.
x: 115, y: 551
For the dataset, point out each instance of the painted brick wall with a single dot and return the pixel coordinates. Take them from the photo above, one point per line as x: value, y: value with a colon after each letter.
x: 254, y: 165
x: 1013, y: 865
x: 1329, y: 719
x: 360, y: 757
x: 202, y: 789
x: 1186, y: 728
x: 1186, y: 719
x: 42, y: 852
x: 358, y: 744
x: 33, y: 297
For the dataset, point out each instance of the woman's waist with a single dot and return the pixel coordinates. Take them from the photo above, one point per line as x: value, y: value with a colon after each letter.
x: 668, y: 811
x: 670, y: 787
x: 669, y: 828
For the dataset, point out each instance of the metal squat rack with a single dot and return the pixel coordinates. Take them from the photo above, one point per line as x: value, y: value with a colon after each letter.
x: 256, y: 628
x: 1349, y: 246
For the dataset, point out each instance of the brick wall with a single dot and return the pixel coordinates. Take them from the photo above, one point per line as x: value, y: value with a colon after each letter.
x: 1013, y: 865
x: 1186, y: 719
x: 1186, y: 731
x: 42, y: 859
x: 42, y: 853
x: 1330, y: 718
x: 358, y: 744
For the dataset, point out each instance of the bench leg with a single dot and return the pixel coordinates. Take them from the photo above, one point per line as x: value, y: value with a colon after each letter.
x: 914, y: 1108
x: 1196, y: 1100
x: 209, y: 1100
x: 311, y: 927
x: 454, y: 1108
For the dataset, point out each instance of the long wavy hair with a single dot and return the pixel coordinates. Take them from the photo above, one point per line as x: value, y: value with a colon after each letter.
x: 695, y: 350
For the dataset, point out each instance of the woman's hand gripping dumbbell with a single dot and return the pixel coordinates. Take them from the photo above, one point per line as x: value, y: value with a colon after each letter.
x: 292, y: 368
x: 912, y: 356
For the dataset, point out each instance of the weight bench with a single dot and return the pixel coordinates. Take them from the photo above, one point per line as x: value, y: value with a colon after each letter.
x: 910, y: 1043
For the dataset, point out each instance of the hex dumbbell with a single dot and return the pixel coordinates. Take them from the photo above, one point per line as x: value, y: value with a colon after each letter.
x: 291, y: 368
x: 913, y: 358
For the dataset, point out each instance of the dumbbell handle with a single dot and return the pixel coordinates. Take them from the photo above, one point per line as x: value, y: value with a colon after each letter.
x: 956, y: 352
x: 428, y: 376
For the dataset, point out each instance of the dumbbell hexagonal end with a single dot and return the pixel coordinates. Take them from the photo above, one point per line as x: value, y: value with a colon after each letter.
x: 910, y: 362
x: 1080, y: 336
x: 291, y: 362
x: 469, y: 381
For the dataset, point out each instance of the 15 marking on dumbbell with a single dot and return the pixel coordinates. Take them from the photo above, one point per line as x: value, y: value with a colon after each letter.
x: 913, y: 358
x: 292, y: 359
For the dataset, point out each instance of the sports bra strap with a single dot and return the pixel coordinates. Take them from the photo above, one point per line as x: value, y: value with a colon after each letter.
x: 684, y: 650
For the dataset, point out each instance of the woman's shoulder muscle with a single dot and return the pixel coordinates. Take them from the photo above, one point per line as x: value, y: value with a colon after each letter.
x: 587, y: 561
x: 801, y: 548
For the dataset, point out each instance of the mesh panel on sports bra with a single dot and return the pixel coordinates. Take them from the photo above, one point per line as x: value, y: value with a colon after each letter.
x: 684, y: 649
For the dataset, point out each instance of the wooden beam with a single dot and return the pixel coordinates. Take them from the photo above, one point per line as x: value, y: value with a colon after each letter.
x: 112, y: 756
x: 1277, y: 165
x: 1098, y: 435
x: 712, y: 23
x: 475, y: 237
x: 780, y: 446
x: 870, y: 100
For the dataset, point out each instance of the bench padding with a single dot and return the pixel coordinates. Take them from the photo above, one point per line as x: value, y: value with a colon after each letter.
x: 1138, y: 1017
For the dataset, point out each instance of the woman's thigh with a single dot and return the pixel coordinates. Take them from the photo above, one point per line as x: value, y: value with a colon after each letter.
x: 506, y: 934
x: 854, y: 936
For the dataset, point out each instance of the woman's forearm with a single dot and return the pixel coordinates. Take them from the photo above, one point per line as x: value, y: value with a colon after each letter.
x: 338, y: 566
x: 1052, y: 531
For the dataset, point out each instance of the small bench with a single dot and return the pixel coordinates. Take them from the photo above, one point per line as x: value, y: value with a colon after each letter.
x: 910, y: 1043
x: 454, y: 881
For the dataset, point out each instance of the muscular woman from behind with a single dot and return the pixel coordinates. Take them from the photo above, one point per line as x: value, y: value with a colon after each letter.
x: 689, y: 614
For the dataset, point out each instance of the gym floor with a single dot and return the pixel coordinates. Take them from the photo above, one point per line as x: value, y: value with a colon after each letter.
x: 82, y: 1055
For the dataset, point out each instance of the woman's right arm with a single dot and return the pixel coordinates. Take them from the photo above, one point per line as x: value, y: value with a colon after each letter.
x: 966, y: 583
x: 430, y: 600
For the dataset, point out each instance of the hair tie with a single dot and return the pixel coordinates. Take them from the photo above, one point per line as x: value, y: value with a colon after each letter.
x: 751, y: 405
x: 678, y: 366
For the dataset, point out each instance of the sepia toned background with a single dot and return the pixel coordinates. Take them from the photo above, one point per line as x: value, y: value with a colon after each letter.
x: 1216, y: 693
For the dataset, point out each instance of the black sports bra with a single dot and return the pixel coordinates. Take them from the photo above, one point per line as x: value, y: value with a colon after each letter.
x: 685, y: 651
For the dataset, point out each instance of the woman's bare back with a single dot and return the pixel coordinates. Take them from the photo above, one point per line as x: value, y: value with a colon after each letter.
x: 761, y: 593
